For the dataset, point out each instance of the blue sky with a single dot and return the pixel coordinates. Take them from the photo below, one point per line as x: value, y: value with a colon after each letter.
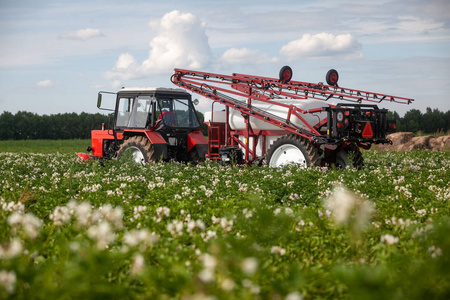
x: 56, y: 55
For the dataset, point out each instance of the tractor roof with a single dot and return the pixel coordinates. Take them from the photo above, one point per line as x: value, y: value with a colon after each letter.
x: 151, y: 90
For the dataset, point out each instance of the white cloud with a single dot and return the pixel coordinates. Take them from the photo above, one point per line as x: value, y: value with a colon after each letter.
x: 410, y: 24
x: 245, y: 56
x: 45, y: 83
x: 82, y: 34
x: 180, y: 42
x: 320, y: 45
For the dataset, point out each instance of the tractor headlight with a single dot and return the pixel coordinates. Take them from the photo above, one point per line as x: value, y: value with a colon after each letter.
x: 340, y: 116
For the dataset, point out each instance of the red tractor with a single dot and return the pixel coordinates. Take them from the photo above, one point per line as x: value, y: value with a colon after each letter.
x: 149, y: 125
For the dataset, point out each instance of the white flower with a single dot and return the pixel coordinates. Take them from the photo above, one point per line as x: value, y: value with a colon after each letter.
x: 340, y: 203
x: 288, y: 211
x: 175, y: 228
x: 389, y: 239
x: 206, y: 236
x: 11, y: 250
x: 434, y: 251
x: 137, y: 265
x: 209, y: 261
x: 208, y: 193
x: 102, y: 234
x: 348, y: 208
x: 30, y: 224
x: 206, y: 275
x: 278, y: 250
x: 227, y: 225
x: 112, y: 215
x: 60, y: 215
x: 243, y: 187
x: 83, y: 213
x: 294, y: 296
x: 227, y: 285
x: 249, y: 265
x: 209, y: 265
x: 140, y: 238
x: 294, y: 197
x: 248, y: 213
x: 191, y: 225
x: 8, y: 281
x: 137, y: 210
x: 161, y: 212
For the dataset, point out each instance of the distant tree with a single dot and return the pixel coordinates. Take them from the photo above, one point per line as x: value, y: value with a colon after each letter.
x: 6, y: 126
x: 412, y: 121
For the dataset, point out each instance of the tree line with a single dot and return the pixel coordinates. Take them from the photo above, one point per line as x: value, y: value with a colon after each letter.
x: 432, y: 121
x: 26, y: 125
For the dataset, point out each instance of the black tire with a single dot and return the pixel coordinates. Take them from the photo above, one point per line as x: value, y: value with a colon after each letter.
x: 137, y: 149
x: 195, y: 158
x: 350, y: 157
x: 292, y: 149
x: 332, y: 77
x: 285, y: 74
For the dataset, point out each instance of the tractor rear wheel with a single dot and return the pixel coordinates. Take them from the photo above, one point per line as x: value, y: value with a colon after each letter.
x: 292, y: 149
x: 349, y: 157
x: 138, y: 149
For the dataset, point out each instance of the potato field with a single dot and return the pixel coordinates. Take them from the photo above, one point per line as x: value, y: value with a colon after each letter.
x: 83, y: 230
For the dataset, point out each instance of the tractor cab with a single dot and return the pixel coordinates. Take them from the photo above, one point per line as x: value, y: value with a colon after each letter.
x: 154, y: 109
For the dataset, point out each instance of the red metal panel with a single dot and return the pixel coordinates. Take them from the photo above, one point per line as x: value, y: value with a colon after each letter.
x: 98, y: 136
x: 195, y: 138
x: 155, y: 137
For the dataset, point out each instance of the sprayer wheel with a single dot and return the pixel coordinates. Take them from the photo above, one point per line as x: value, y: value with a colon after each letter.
x: 350, y: 157
x: 292, y: 149
x: 332, y: 77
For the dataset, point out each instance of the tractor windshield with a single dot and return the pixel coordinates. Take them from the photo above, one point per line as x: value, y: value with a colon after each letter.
x: 178, y: 113
x: 134, y: 112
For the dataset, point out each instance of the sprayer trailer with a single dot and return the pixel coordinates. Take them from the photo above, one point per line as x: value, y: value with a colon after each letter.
x: 277, y: 121
x: 149, y: 125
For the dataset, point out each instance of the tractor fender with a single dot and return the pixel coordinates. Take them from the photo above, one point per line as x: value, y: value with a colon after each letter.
x: 159, y: 144
x: 155, y: 138
x: 195, y: 138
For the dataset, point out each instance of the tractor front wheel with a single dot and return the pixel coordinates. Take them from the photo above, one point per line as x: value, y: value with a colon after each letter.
x: 292, y: 149
x: 138, y: 149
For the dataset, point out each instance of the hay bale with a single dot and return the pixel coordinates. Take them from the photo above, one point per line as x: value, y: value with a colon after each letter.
x: 400, y: 138
x: 440, y: 143
x: 407, y: 141
x: 417, y: 143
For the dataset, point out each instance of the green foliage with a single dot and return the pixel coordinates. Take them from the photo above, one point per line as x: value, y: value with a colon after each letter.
x: 73, y: 229
x: 25, y: 125
x: 432, y: 121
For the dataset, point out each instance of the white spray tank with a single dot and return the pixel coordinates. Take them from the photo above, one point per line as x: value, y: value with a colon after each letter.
x: 237, y: 122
